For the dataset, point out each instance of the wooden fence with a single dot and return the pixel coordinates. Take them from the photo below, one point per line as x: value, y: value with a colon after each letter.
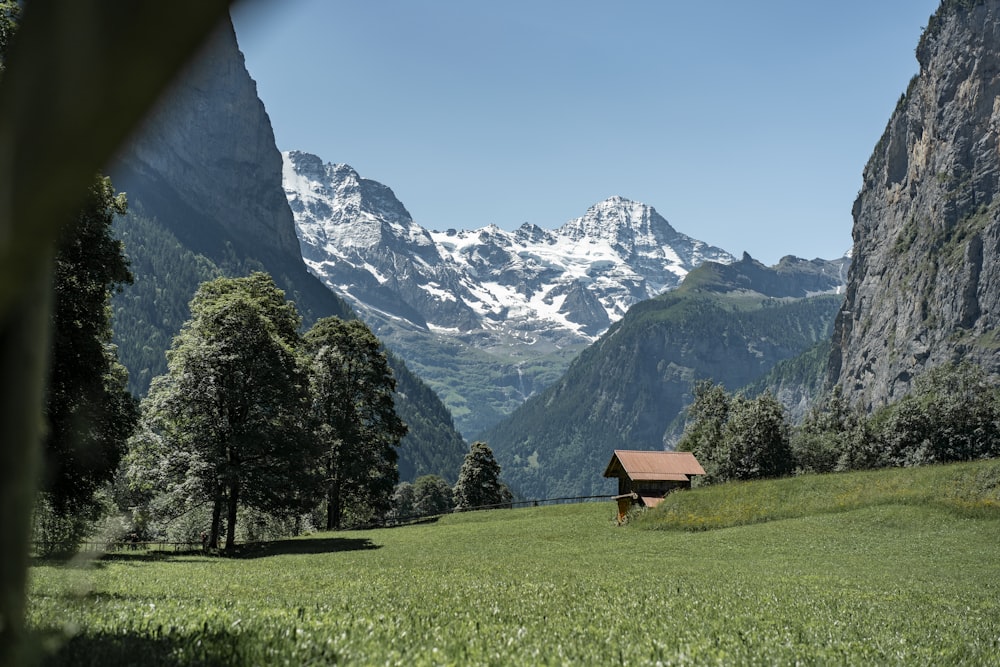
x: 129, y: 545
x: 116, y: 546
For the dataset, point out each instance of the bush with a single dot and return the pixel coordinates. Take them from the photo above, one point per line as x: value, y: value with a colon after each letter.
x: 432, y: 495
x: 735, y: 437
x: 951, y: 415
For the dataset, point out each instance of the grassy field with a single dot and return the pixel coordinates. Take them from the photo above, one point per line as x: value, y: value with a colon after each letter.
x: 874, y: 581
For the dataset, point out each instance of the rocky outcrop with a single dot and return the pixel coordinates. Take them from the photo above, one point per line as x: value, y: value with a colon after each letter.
x: 924, y: 286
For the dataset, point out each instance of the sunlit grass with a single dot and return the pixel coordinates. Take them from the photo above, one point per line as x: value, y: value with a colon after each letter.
x: 969, y: 489
x: 883, y: 583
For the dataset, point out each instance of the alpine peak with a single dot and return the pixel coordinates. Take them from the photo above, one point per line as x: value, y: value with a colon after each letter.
x: 571, y: 283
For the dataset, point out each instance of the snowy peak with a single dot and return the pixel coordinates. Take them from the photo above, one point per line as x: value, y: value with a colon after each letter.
x: 310, y: 183
x: 565, y: 285
x: 618, y: 219
x: 337, y: 210
x: 637, y: 232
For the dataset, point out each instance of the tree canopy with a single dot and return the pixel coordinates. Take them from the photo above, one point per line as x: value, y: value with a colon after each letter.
x: 479, y: 483
x: 354, y: 417
x: 951, y: 414
x: 229, y: 415
x: 736, y: 438
x: 88, y: 411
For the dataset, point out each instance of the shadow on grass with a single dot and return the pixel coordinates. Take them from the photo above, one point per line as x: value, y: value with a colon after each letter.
x: 321, y: 545
x: 97, y: 559
x: 159, y: 649
x: 253, y: 550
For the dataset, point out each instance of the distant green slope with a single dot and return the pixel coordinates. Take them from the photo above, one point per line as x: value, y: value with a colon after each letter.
x: 797, y: 382
x: 479, y: 386
x: 627, y: 390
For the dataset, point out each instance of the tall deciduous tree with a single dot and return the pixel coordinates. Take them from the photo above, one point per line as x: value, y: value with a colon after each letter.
x: 756, y: 440
x: 354, y: 418
x: 89, y: 413
x: 824, y: 435
x: 229, y: 416
x: 706, y: 417
x: 479, y: 483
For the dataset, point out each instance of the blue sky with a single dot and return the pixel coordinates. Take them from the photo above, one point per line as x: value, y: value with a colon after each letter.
x: 745, y: 124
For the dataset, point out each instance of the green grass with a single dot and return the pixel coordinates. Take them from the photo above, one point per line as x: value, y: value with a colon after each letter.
x: 968, y: 488
x: 874, y: 582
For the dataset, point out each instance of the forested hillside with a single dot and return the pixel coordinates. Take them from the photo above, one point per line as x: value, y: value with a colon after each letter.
x: 628, y: 389
x: 148, y: 313
x: 797, y: 382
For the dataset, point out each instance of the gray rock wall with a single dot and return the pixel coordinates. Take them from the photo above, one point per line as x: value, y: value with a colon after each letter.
x: 210, y: 149
x: 924, y: 287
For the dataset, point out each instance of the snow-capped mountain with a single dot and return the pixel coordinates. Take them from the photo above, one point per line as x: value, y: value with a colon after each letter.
x: 535, y: 285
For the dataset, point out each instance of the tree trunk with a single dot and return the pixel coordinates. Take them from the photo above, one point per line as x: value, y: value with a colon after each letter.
x: 213, y: 537
x: 234, y: 492
x: 333, y: 508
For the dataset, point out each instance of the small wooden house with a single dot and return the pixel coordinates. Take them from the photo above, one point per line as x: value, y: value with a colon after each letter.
x: 646, y: 477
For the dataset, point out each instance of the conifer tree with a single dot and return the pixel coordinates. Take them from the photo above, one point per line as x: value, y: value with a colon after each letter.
x: 479, y: 483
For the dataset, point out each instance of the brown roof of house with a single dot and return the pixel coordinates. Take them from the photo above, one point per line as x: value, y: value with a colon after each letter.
x: 651, y: 501
x: 655, y: 465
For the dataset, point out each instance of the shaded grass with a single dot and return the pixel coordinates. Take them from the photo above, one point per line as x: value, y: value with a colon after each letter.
x: 969, y: 489
x: 880, y: 584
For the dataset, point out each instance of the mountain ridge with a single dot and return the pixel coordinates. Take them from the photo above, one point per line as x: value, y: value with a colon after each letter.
x: 619, y: 252
x: 512, y: 307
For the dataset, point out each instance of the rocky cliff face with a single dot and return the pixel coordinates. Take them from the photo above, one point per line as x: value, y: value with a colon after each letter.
x: 924, y: 287
x: 209, y: 154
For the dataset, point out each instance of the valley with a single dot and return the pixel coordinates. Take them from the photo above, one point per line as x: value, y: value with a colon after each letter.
x: 394, y: 426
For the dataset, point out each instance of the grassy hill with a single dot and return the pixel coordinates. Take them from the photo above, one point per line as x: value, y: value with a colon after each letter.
x: 891, y: 567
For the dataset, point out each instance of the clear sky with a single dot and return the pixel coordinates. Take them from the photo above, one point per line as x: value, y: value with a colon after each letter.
x: 746, y: 124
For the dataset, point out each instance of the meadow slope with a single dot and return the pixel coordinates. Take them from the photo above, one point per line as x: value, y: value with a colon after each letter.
x: 883, y: 582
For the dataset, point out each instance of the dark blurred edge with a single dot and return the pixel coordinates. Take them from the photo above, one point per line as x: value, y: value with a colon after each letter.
x: 80, y: 77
